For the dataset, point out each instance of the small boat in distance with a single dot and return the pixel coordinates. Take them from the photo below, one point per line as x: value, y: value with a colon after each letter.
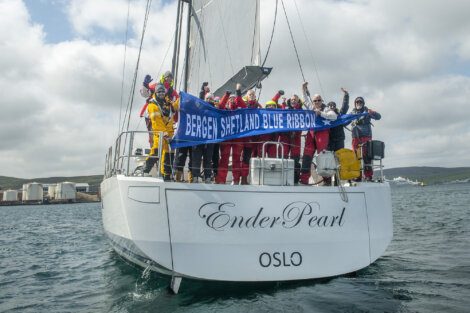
x: 241, y: 233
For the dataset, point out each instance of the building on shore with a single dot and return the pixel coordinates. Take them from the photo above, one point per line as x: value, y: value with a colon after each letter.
x: 82, y: 187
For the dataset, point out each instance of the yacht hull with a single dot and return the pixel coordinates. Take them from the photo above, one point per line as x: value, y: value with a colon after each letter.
x: 246, y: 233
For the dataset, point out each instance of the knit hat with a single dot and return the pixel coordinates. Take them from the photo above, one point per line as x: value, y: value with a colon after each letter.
x: 160, y: 87
x: 360, y: 99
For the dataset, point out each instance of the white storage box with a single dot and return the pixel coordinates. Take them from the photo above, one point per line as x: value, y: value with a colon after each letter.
x: 326, y: 163
x: 268, y: 171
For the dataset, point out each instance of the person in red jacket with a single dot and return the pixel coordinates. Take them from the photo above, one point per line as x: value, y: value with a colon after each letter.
x: 271, y: 149
x: 229, y: 102
x: 147, y: 91
x: 315, y: 140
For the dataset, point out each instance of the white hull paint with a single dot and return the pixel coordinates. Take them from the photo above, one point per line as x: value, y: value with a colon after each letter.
x: 246, y: 233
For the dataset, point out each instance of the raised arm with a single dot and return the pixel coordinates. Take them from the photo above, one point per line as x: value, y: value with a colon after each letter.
x: 345, y: 106
x: 239, y: 102
x: 223, y: 101
x: 374, y: 114
x: 306, y: 94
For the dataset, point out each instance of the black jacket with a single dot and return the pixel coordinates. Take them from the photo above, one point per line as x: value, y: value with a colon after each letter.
x: 337, y: 133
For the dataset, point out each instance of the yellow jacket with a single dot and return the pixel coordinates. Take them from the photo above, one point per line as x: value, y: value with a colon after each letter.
x: 162, y: 121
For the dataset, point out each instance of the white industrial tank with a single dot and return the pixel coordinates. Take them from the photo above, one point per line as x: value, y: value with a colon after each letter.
x: 32, y: 191
x: 65, y: 191
x: 51, y: 191
x: 10, y: 195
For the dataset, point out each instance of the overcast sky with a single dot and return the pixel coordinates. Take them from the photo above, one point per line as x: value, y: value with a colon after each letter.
x: 61, y: 66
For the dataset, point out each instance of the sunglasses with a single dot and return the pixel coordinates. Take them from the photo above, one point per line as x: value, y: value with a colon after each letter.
x: 160, y: 92
x: 360, y: 102
x: 316, y: 100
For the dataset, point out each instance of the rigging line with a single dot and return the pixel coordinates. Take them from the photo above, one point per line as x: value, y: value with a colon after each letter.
x: 225, y: 38
x: 310, y: 49
x: 131, y: 95
x: 293, y: 42
x: 254, y: 36
x: 124, y: 64
x: 164, y: 58
x: 272, y: 35
x: 207, y: 53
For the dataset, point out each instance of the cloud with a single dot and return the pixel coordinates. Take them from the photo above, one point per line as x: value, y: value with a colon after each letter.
x: 61, y: 102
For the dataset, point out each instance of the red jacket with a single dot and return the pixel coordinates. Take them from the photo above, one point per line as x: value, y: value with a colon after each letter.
x: 238, y: 103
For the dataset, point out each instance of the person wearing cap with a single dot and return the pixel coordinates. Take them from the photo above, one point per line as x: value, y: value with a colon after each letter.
x: 362, y: 131
x: 203, y: 152
x: 271, y: 149
x: 337, y: 136
x: 252, y: 145
x: 293, y: 139
x: 167, y: 80
x: 231, y: 102
x: 315, y: 140
x: 161, y: 112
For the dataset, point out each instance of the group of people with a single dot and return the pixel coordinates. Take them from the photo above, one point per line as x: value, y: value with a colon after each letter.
x: 161, y: 115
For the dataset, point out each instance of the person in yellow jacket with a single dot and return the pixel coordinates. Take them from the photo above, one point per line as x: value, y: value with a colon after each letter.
x: 161, y: 111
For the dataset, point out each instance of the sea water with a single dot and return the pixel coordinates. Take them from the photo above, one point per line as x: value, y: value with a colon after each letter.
x: 55, y: 258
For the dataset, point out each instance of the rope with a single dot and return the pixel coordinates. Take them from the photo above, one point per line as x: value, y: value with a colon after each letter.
x: 293, y: 42
x: 124, y: 64
x: 310, y: 49
x: 131, y: 95
x: 225, y: 37
x: 272, y: 35
x: 164, y: 58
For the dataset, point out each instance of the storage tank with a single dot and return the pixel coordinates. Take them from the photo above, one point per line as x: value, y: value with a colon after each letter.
x: 32, y: 191
x: 65, y: 191
x: 10, y: 195
x: 51, y: 191
x: 23, y: 191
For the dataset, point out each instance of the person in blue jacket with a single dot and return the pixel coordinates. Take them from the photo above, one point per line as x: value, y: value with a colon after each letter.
x: 362, y: 131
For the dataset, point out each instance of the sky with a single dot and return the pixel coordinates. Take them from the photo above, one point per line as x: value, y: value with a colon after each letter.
x: 64, y: 78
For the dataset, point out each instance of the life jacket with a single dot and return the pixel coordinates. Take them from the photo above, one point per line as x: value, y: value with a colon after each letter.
x: 349, y: 165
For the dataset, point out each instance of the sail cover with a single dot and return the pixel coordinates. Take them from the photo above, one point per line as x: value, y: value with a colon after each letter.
x: 248, y: 77
x: 224, y: 38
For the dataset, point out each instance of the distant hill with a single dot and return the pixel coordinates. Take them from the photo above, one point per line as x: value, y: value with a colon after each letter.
x: 17, y: 183
x: 429, y: 175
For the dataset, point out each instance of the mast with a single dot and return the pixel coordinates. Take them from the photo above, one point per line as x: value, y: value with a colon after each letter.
x: 175, y: 60
x: 188, y: 28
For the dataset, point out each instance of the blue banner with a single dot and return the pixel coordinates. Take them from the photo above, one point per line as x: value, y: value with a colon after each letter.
x: 200, y: 122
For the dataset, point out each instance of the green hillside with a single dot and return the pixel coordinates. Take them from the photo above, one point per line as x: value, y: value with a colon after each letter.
x: 17, y: 183
x: 429, y: 175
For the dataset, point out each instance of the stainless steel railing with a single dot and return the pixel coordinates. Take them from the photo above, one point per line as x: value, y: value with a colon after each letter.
x: 127, y: 153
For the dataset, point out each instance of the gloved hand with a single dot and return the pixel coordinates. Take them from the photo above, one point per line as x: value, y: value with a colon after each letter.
x: 281, y: 92
x: 147, y: 80
x: 370, y: 111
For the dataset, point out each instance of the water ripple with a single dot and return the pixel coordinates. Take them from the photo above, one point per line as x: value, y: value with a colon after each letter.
x: 56, y: 259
